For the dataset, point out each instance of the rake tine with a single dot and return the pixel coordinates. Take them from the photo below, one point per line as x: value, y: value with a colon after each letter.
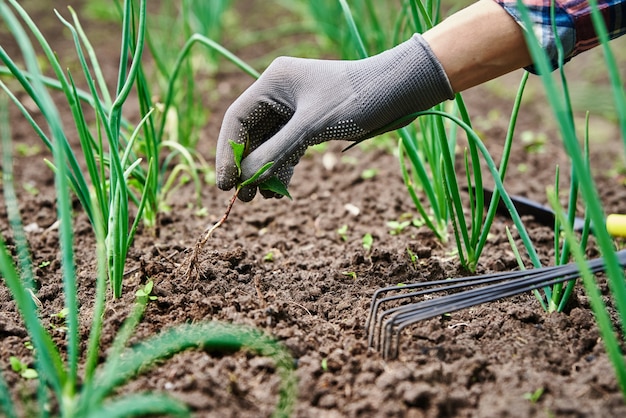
x: 425, y: 310
x: 458, y: 286
x: 496, y: 286
x: 430, y: 287
x: 446, y: 284
x: 410, y: 314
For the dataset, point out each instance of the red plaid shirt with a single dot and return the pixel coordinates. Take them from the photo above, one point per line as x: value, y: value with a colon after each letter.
x: 573, y: 23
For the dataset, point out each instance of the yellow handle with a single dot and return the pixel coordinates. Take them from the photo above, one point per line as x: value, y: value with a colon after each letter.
x: 616, y: 225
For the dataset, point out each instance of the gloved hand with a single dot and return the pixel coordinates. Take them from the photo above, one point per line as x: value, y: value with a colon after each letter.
x: 298, y: 102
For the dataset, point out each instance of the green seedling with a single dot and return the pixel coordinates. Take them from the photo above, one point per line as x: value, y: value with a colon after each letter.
x: 369, y: 173
x: 396, y: 227
x: 30, y: 189
x: 533, y: 397
x: 324, y: 364
x: 60, y: 317
x: 62, y: 314
x: 269, y: 257
x: 412, y: 256
x: 22, y: 368
x: 343, y: 232
x: 272, y: 184
x: 27, y: 150
x: 60, y: 320
x: 201, y: 212
x: 367, y: 241
x: 351, y: 274
x: 146, y: 292
x: 534, y: 142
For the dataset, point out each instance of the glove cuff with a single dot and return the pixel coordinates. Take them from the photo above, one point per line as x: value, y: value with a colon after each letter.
x: 405, y: 79
x: 433, y: 83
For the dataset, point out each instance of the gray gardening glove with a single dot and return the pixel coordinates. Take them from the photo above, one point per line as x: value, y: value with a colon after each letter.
x: 299, y: 102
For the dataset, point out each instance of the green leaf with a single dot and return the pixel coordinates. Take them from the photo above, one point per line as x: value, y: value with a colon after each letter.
x: 29, y: 373
x: 258, y: 174
x: 238, y: 151
x: 273, y: 184
x: 367, y: 241
x: 16, y: 364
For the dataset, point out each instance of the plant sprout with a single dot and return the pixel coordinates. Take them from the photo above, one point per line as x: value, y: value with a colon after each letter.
x: 125, y: 165
x: 343, y: 232
x: 22, y: 368
x: 272, y: 184
x: 367, y: 241
x: 559, y: 104
x: 396, y: 227
x: 80, y: 384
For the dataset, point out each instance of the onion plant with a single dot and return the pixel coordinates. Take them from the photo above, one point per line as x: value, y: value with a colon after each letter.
x: 589, y: 193
x: 74, y: 379
x: 130, y: 168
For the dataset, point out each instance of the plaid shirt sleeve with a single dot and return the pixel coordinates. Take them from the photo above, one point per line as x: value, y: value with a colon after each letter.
x: 573, y: 24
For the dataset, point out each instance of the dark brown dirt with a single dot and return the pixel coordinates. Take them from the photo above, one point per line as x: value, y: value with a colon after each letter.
x: 314, y: 293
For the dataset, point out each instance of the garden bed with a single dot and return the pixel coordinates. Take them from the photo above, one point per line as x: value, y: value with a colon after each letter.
x: 281, y: 266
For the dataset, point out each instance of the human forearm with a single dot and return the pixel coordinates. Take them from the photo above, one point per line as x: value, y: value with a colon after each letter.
x: 478, y: 44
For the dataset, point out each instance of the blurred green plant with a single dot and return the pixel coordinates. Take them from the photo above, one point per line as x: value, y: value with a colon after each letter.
x: 560, y: 104
x: 187, y: 111
x: 126, y: 164
x: 380, y: 25
x: 90, y: 389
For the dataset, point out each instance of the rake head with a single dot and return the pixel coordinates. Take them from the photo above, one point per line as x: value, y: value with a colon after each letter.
x: 395, y: 308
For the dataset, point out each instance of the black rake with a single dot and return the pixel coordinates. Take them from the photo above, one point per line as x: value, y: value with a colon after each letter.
x: 384, y: 327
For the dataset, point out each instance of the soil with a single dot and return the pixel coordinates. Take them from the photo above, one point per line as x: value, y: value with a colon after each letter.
x: 313, y: 293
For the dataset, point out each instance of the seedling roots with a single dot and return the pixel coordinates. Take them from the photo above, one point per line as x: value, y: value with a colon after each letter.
x: 191, y: 264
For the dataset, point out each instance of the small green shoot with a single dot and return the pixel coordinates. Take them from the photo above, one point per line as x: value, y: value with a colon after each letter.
x: 269, y: 257
x: 343, y: 232
x: 369, y: 173
x: 22, y: 368
x: 534, y: 397
x: 62, y: 314
x: 60, y: 320
x: 324, y: 364
x: 201, y: 212
x: 351, y: 274
x: 145, y: 292
x: 30, y: 188
x: 412, y: 256
x: 367, y: 241
x: 396, y: 227
x: 27, y: 150
x: 534, y: 143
